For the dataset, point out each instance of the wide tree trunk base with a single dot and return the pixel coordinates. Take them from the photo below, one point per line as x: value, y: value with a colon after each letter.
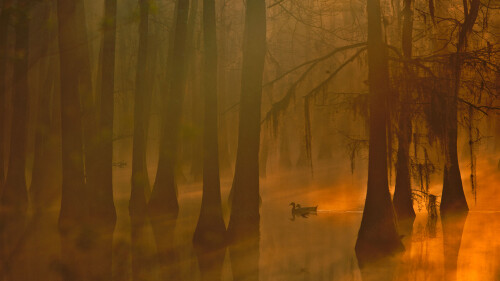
x: 453, y: 197
x: 210, y: 262
x: 210, y: 233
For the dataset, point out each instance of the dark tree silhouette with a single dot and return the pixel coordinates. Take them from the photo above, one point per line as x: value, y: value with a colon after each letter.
x: 453, y: 197
x: 102, y: 208
x: 73, y: 211
x: 14, y: 201
x: 210, y: 230
x: 4, y: 27
x: 90, y: 110
x: 245, y: 217
x: 102, y: 213
x: 163, y: 199
x: 140, y: 179
x: 403, y: 203
x: 45, y: 181
x: 377, y: 234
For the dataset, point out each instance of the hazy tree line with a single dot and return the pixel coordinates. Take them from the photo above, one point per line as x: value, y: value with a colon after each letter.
x: 226, y: 87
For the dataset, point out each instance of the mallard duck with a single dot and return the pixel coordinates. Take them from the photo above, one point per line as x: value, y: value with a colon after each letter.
x: 309, y: 209
x: 302, y: 211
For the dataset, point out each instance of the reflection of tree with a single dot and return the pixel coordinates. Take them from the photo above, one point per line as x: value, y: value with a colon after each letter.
x: 453, y: 228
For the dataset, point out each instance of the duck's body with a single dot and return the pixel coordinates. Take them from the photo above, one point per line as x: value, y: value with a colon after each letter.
x: 297, y: 210
x: 308, y: 209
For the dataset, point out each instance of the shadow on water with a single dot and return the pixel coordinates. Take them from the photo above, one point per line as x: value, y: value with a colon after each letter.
x: 168, y: 256
x: 35, y: 247
x: 453, y: 228
x: 244, y: 254
x: 210, y: 262
x: 101, y: 253
x: 43, y: 247
x: 395, y: 266
x: 86, y: 254
x: 405, y: 227
x: 380, y: 270
x: 143, y: 259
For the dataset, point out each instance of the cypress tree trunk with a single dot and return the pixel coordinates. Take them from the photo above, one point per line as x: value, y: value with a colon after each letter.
x: 224, y: 159
x: 73, y: 211
x: 377, y: 234
x: 140, y: 179
x: 210, y: 230
x: 403, y: 202
x: 4, y: 26
x: 164, y: 194
x: 14, y: 201
x: 142, y: 99
x: 90, y: 113
x: 102, y: 209
x: 453, y: 197
x: 245, y: 217
x: 102, y: 205
x: 45, y: 181
x: 195, y: 144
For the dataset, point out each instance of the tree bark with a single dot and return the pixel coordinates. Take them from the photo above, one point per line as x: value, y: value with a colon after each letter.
x: 164, y: 194
x: 403, y: 202
x: 88, y: 105
x: 210, y: 230
x: 142, y: 99
x: 102, y: 205
x: 45, y: 180
x: 140, y: 178
x: 245, y: 217
x: 73, y: 211
x: 377, y: 234
x: 453, y: 196
x: 14, y: 201
x: 4, y: 27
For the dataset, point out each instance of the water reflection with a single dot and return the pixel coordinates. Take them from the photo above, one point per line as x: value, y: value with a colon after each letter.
x: 210, y: 262
x: 453, y: 228
x: 142, y: 253
x: 380, y: 270
x: 168, y: 256
x: 320, y: 247
x: 245, y: 255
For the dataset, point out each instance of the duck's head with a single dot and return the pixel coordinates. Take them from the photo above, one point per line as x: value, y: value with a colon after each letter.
x: 292, y: 204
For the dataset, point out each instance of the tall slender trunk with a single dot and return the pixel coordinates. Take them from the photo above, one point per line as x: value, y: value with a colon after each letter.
x: 195, y: 144
x: 45, y: 180
x: 140, y: 179
x: 225, y: 161
x: 102, y: 213
x: 164, y: 194
x: 73, y: 202
x: 210, y: 230
x: 453, y: 197
x: 14, y: 202
x: 4, y: 27
x: 89, y: 111
x: 403, y: 202
x: 102, y: 205
x: 245, y: 217
x: 377, y: 234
